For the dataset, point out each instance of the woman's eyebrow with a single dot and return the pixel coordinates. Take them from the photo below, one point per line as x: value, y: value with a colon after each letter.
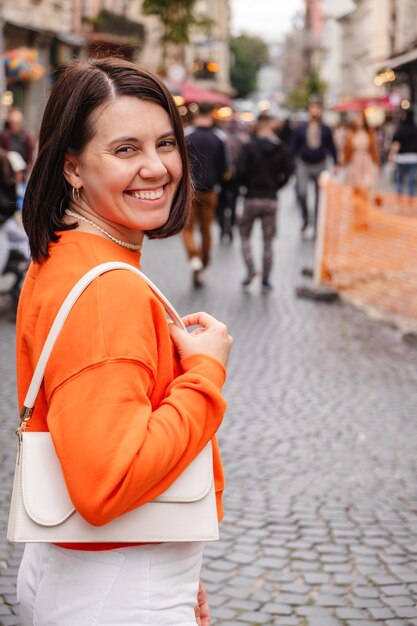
x: 131, y: 138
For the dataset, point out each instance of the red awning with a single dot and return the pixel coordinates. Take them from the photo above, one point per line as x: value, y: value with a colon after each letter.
x: 193, y: 93
x: 359, y: 104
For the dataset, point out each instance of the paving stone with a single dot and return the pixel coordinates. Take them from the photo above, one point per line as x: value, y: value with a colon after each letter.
x: 292, y: 599
x: 337, y: 568
x: 332, y: 590
x: 395, y: 601
x: 247, y: 605
x: 330, y: 548
x: 304, y: 555
x: 349, y: 613
x: 381, y: 614
x: 395, y: 590
x: 316, y: 578
x: 383, y: 580
x: 405, y: 611
x: 366, y: 592
x: 277, y: 608
x: 256, y: 617
x: 324, y: 621
x: 294, y: 588
x: 304, y: 566
x: 366, y: 603
x: 313, y: 611
x: 268, y: 562
x: 349, y: 579
x: 329, y: 600
x: 225, y: 613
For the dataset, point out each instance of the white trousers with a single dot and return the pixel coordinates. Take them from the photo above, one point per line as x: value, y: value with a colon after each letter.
x: 154, y: 584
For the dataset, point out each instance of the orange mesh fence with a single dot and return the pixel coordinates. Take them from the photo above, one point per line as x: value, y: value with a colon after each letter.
x: 367, y: 247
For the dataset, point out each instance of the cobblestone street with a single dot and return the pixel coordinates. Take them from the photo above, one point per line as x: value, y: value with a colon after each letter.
x: 319, y: 446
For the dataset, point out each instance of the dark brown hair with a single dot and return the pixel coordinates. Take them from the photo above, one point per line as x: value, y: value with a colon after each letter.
x: 67, y: 127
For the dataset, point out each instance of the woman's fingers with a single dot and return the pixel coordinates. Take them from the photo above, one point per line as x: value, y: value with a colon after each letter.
x: 199, y: 319
x: 208, y: 336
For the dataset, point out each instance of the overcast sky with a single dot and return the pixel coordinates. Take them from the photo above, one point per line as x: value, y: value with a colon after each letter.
x: 268, y: 18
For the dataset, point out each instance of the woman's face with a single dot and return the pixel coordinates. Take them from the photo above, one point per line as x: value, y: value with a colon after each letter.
x: 359, y: 121
x: 129, y: 171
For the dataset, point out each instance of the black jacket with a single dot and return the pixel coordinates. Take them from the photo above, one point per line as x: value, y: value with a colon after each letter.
x: 8, y: 204
x: 406, y: 135
x: 326, y: 148
x: 208, y: 159
x: 264, y: 167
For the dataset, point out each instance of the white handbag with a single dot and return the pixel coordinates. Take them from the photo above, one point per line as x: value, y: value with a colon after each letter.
x: 41, y: 509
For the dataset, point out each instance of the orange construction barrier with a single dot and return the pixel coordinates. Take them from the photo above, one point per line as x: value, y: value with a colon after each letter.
x: 367, y: 247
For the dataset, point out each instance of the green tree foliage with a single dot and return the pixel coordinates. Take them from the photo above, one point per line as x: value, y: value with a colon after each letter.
x: 249, y: 53
x: 312, y: 85
x: 178, y: 18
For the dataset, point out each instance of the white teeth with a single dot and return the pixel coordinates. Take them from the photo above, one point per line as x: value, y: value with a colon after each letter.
x: 147, y: 195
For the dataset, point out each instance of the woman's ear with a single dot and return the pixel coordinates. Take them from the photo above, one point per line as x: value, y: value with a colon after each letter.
x: 71, y: 173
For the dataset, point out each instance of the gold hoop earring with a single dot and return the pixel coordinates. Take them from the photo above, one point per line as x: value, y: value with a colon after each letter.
x: 75, y: 194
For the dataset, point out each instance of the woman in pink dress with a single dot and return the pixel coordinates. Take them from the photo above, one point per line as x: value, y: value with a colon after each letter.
x: 362, y: 162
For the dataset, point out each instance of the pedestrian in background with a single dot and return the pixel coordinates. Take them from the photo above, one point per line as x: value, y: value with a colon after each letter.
x: 404, y: 153
x: 313, y: 144
x: 263, y: 168
x: 360, y: 155
x: 15, y: 138
x: 285, y: 132
x: 128, y: 399
x: 209, y: 168
x: 235, y: 138
x: 8, y: 204
x: 361, y: 159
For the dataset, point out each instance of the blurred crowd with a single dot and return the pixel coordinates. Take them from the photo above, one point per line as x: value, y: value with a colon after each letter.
x: 254, y: 161
x: 239, y: 164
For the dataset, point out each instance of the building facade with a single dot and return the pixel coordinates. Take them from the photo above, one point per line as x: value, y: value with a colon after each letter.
x: 55, y: 31
x: 365, y: 43
x: 331, y: 65
x: 39, y: 35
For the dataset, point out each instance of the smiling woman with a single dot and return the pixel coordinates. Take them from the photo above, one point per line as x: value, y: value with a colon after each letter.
x: 128, y: 174
x: 129, y: 400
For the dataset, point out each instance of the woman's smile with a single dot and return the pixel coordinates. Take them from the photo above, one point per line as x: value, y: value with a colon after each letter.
x: 146, y: 194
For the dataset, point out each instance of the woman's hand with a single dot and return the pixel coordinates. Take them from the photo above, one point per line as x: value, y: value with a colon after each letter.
x: 202, y: 611
x: 211, y: 337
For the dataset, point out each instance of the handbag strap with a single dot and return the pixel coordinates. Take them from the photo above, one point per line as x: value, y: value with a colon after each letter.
x: 62, y: 315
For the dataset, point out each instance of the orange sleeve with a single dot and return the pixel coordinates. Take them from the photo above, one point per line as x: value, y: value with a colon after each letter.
x: 125, y: 417
x: 116, y: 452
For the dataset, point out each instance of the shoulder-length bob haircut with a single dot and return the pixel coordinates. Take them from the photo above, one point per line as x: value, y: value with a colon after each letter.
x: 67, y: 127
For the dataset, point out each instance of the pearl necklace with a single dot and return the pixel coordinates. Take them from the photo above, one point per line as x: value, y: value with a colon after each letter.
x: 125, y: 244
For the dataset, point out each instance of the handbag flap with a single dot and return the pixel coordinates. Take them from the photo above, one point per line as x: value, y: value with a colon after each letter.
x: 45, y: 494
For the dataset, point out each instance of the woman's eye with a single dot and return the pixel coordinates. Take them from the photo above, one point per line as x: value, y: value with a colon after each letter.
x: 168, y: 143
x: 124, y: 149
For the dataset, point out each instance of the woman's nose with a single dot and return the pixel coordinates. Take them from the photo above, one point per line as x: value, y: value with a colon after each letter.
x: 152, y: 166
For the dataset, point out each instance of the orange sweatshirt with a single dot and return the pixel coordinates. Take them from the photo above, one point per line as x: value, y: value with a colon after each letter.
x: 126, y: 417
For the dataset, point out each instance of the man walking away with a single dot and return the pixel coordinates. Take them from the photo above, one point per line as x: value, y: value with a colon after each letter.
x: 264, y: 167
x: 209, y: 167
x: 313, y: 143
